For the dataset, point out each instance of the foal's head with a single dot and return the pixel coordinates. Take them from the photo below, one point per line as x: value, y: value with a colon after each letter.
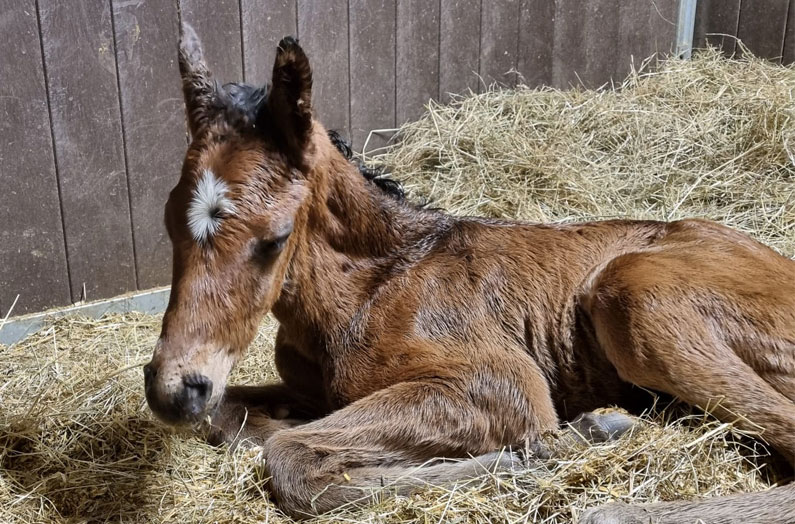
x: 233, y: 219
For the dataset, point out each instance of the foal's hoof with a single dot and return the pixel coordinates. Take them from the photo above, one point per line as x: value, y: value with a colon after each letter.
x: 616, y: 513
x: 601, y: 427
x: 503, y: 461
x: 238, y: 426
x: 492, y: 463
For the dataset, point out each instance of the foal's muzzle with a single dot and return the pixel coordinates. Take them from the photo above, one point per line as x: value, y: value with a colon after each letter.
x: 184, y: 402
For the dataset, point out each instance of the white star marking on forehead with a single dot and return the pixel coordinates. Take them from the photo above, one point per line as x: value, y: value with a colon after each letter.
x: 208, y: 207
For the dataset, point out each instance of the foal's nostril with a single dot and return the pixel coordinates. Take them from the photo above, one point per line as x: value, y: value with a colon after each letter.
x: 197, y: 390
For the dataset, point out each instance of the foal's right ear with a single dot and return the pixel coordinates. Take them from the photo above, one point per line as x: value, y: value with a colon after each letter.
x: 288, y: 111
x: 198, y: 85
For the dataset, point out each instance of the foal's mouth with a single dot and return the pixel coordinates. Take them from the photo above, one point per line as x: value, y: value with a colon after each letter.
x: 184, y: 402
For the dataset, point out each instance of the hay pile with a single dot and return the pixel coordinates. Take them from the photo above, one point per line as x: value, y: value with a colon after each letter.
x: 708, y: 137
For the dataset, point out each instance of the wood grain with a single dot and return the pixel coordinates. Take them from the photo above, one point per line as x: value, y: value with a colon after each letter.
x: 217, y: 22
x: 265, y: 23
x: 536, y: 40
x: 459, y: 47
x: 372, y: 69
x: 146, y: 36
x: 762, y: 26
x: 499, y: 41
x: 32, y: 252
x: 417, y: 66
x: 86, y: 124
x: 716, y: 24
x: 323, y: 32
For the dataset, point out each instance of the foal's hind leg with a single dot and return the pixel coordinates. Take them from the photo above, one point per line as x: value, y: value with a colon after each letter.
x: 660, y: 338
x: 774, y: 506
x: 682, y: 357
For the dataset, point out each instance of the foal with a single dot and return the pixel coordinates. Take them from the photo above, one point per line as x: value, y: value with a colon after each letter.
x: 407, y: 334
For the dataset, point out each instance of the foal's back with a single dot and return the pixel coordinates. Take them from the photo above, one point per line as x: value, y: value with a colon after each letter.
x: 504, y: 286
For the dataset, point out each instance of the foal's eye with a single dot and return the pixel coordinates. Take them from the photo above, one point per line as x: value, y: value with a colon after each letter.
x: 265, y: 250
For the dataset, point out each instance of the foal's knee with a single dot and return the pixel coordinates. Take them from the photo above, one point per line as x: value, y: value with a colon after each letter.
x: 289, y: 463
x: 301, y: 473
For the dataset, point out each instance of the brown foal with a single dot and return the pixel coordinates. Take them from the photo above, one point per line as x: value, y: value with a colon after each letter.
x: 408, y: 336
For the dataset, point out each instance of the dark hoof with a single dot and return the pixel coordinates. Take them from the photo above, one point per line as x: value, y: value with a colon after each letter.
x: 601, y: 427
x: 616, y: 513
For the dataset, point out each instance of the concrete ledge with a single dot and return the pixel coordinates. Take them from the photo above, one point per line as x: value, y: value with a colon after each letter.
x: 152, y: 301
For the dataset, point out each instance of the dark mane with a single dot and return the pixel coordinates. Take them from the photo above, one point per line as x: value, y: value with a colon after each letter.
x: 375, y: 175
x: 242, y: 103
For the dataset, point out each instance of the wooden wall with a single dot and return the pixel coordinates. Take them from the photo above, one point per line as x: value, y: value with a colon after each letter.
x: 765, y: 27
x: 92, y: 130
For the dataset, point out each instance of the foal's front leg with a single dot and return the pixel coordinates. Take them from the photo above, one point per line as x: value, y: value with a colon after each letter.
x: 393, y: 438
x: 251, y: 414
x: 398, y: 437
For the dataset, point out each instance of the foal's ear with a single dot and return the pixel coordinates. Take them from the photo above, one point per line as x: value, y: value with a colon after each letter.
x: 198, y: 85
x: 288, y: 111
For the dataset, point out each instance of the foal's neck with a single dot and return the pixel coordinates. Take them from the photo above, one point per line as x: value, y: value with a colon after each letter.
x: 354, y: 236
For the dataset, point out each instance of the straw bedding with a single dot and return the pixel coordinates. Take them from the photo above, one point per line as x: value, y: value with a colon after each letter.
x: 709, y: 137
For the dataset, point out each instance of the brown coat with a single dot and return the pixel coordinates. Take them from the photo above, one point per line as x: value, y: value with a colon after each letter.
x: 408, y: 334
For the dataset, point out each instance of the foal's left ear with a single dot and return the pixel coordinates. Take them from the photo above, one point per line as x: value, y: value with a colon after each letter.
x: 288, y: 111
x: 198, y: 85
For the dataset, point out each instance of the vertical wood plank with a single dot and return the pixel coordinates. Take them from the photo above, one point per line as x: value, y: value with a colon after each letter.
x: 84, y: 100
x: 586, y: 42
x: 645, y: 29
x: 789, y: 37
x: 372, y: 69
x: 601, y: 42
x: 536, y: 37
x: 662, y: 19
x: 146, y: 36
x: 32, y: 251
x: 499, y: 41
x: 634, y: 37
x: 568, y: 56
x: 762, y: 26
x: 459, y: 47
x: 265, y: 23
x: 417, y: 70
x: 716, y: 24
x: 217, y: 22
x: 323, y: 32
